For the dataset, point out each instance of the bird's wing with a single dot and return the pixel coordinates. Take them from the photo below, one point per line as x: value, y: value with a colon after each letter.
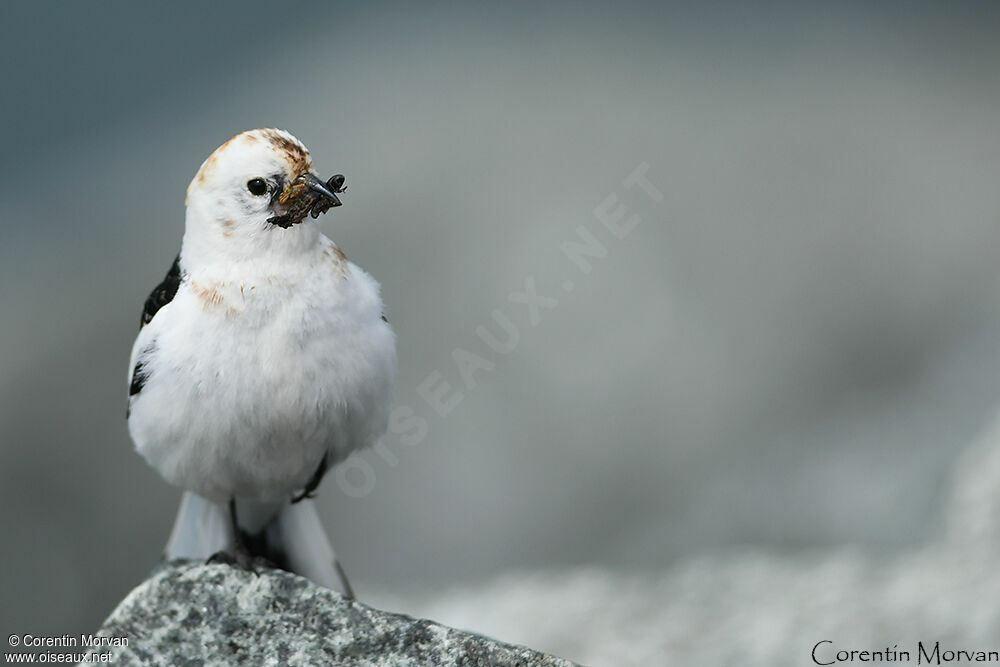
x: 300, y: 536
x: 163, y: 293
x: 145, y: 342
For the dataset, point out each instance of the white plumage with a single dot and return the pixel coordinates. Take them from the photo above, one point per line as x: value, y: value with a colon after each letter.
x: 271, y: 354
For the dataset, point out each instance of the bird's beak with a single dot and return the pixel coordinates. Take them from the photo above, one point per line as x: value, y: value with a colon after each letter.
x: 321, y: 188
x: 306, y: 195
x: 308, y: 182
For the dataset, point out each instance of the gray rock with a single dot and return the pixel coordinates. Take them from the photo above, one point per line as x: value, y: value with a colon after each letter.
x: 192, y: 614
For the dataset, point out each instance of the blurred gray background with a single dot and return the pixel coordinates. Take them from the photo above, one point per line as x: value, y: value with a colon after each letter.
x: 788, y: 352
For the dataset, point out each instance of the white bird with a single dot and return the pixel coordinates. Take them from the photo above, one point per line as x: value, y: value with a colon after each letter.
x: 263, y: 358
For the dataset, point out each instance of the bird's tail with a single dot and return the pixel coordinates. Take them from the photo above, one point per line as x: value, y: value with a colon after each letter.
x: 293, y: 538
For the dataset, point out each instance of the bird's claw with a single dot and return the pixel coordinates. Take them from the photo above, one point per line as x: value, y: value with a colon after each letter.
x: 242, y: 560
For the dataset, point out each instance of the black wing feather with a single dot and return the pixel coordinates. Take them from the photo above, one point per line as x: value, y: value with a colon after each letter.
x: 313, y: 483
x: 138, y: 376
x: 163, y: 293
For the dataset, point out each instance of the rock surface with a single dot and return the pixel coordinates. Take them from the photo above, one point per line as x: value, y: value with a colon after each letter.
x: 191, y: 614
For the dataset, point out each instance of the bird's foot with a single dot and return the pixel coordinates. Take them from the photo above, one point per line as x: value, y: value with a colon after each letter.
x: 243, y: 560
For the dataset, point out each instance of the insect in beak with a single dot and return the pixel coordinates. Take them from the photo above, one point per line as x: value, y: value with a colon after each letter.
x: 327, y: 193
x: 307, y: 195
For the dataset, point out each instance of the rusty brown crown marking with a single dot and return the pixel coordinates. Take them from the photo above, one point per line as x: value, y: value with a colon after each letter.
x: 296, y: 153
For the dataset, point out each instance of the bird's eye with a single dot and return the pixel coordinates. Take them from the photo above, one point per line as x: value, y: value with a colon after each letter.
x: 257, y: 186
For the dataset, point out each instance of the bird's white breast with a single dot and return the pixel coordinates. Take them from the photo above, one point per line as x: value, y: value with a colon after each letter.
x: 253, y: 377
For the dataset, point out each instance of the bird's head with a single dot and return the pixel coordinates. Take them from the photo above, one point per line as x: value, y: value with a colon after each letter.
x: 258, y: 183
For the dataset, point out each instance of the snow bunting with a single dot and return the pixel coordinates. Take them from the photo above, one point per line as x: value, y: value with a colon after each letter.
x: 263, y: 358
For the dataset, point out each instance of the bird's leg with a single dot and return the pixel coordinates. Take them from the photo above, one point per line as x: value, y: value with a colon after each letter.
x: 241, y: 555
x: 239, y: 544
